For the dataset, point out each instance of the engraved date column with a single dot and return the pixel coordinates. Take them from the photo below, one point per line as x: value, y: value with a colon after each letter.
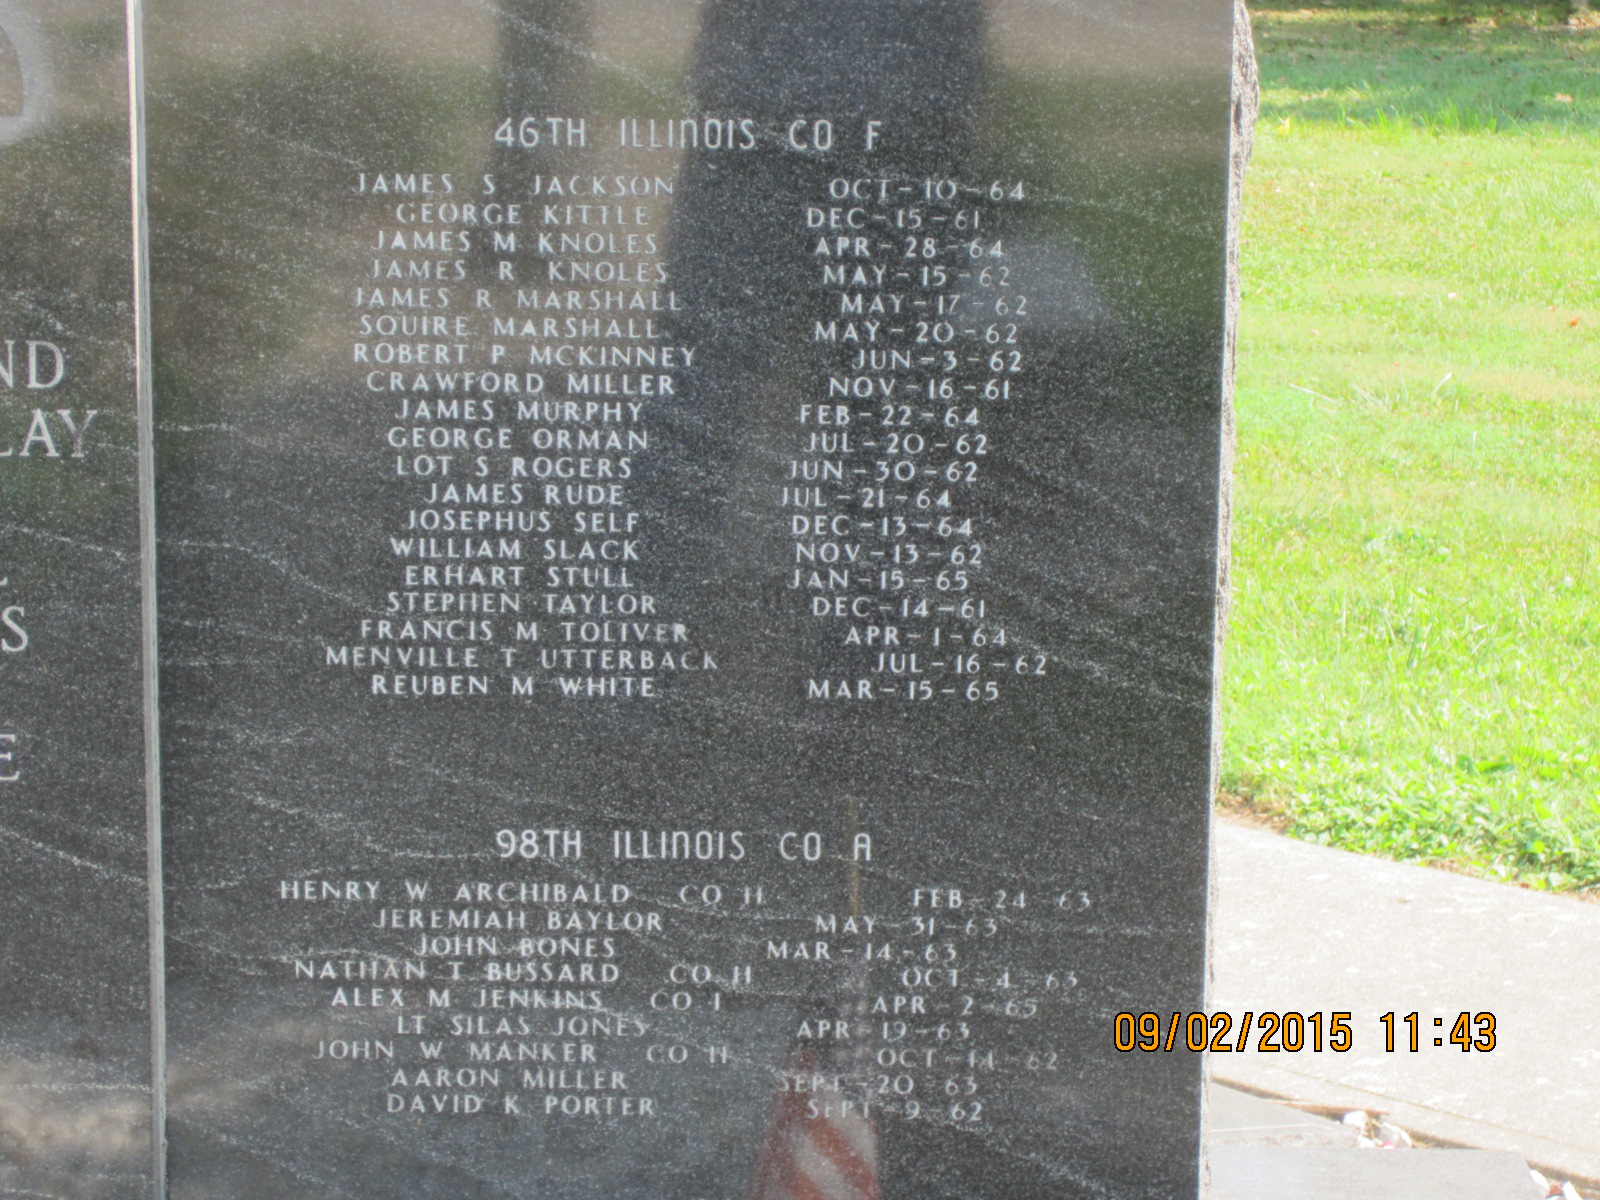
x: 919, y: 358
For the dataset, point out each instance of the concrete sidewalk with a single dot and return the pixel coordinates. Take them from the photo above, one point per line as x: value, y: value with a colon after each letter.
x: 1306, y: 929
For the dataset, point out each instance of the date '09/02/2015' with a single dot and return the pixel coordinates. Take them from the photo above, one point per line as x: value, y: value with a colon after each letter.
x: 1291, y: 1032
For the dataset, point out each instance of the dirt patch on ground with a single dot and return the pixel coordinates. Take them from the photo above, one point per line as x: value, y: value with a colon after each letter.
x: 1253, y: 811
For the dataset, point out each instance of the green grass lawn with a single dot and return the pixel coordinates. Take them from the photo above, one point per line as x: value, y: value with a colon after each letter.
x: 1415, y: 645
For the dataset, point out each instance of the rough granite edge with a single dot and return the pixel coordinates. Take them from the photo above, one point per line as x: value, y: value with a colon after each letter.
x: 1244, y: 106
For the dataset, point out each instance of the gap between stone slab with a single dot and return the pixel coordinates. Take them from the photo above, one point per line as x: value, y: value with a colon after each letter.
x: 1399, y: 1112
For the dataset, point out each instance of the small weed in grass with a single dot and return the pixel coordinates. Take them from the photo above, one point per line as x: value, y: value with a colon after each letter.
x: 1416, y: 625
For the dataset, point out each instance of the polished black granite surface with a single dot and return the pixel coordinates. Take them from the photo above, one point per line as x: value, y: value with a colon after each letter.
x: 74, y: 1014
x: 688, y: 576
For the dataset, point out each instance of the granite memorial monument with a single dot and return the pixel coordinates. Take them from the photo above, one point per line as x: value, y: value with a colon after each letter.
x: 688, y: 543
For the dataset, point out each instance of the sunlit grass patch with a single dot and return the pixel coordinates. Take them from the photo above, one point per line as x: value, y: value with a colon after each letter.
x: 1416, y: 633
